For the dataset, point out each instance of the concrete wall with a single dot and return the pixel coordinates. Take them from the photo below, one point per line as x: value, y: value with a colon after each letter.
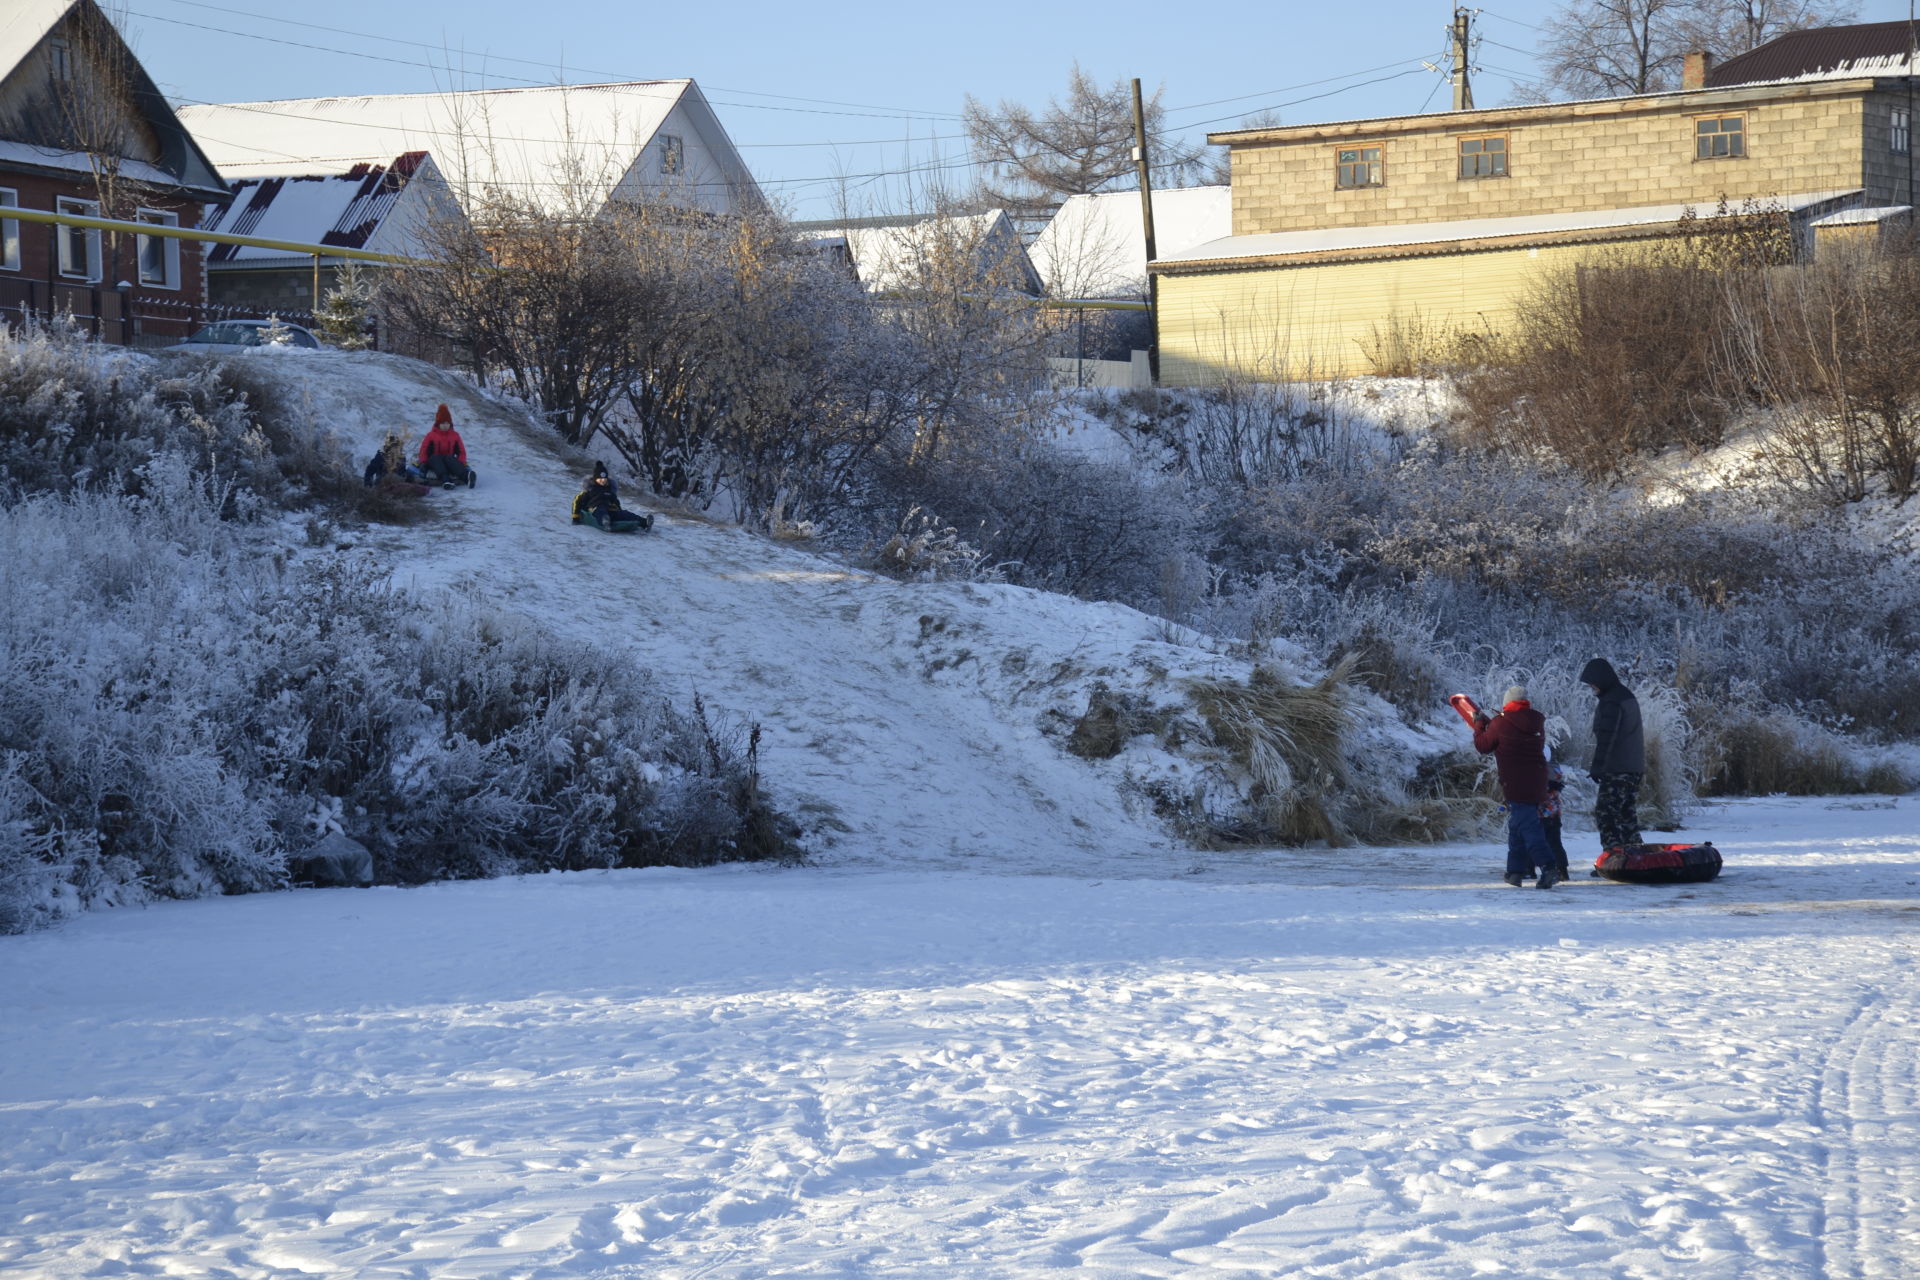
x: 1568, y: 158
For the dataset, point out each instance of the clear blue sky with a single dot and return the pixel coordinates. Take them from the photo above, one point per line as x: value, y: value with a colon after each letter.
x: 812, y: 93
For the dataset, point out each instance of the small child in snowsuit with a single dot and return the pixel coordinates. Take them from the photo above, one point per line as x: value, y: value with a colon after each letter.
x: 1550, y: 815
x: 390, y: 471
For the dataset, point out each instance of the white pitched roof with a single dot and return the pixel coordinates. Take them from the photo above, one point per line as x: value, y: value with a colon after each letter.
x: 568, y: 148
x: 1095, y: 247
x: 1334, y: 239
x: 883, y: 249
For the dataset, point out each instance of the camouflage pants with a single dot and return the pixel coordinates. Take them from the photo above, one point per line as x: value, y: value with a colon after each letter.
x: 1617, y: 811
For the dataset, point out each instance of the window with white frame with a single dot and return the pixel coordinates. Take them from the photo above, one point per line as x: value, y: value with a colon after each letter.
x: 9, y: 231
x: 79, y: 246
x: 1902, y: 131
x: 672, y: 154
x: 159, y: 255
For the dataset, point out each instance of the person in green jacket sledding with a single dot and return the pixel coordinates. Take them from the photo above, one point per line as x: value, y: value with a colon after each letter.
x: 598, y: 503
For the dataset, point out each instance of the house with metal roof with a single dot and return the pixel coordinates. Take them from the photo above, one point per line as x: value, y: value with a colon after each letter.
x: 1352, y: 239
x: 401, y: 208
x: 84, y: 133
x: 893, y: 252
x: 568, y: 150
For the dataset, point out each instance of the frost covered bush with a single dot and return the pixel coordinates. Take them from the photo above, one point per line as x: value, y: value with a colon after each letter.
x: 1042, y: 517
x: 178, y: 713
x: 75, y: 415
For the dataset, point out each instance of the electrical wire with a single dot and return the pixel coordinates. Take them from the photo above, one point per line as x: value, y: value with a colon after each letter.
x: 1275, y: 106
x: 908, y: 112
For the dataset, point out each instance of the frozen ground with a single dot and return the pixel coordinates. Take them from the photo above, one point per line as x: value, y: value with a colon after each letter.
x: 1330, y: 1064
x: 1004, y: 1027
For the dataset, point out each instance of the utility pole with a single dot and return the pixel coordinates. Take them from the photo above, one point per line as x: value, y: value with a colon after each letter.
x: 1462, y: 86
x: 1144, y: 168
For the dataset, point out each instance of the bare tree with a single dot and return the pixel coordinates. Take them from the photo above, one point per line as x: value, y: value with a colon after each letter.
x: 1727, y: 28
x: 1033, y: 160
x: 1603, y: 48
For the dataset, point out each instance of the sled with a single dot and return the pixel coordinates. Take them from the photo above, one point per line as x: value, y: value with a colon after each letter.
x: 1469, y: 709
x: 625, y: 522
x: 1659, y: 863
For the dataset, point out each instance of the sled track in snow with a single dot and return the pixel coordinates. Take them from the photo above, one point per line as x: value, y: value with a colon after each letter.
x: 1868, y: 1108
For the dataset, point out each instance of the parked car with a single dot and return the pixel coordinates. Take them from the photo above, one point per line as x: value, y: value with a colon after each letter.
x: 238, y: 335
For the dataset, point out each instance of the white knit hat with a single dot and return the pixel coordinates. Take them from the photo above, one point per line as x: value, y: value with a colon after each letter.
x: 1518, y: 693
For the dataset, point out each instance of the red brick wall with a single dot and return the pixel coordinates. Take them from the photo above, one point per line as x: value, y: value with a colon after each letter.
x: 158, y: 315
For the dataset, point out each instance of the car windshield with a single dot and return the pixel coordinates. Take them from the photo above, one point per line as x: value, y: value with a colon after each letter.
x: 237, y: 335
x: 254, y: 333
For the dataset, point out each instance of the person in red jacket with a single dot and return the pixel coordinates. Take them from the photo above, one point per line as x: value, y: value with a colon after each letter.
x: 443, y: 454
x: 1517, y: 741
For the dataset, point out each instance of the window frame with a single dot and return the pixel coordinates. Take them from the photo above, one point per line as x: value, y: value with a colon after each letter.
x: 1900, y: 132
x: 673, y: 155
x: 1376, y: 166
x: 60, y: 60
x: 65, y: 240
x: 9, y: 231
x: 1460, y: 155
x: 1720, y: 118
x: 168, y: 246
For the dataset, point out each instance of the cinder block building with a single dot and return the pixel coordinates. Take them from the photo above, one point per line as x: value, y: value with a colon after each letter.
x: 1349, y: 236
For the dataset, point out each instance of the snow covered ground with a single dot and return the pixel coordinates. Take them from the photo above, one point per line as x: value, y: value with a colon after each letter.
x: 1316, y: 1064
x: 1004, y: 1027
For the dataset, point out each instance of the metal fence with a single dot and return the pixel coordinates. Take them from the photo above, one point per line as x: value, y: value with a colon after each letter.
x: 121, y: 316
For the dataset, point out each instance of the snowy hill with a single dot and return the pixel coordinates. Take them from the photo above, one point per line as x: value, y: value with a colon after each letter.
x: 918, y: 723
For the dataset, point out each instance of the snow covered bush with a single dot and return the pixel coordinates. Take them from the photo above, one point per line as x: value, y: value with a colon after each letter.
x: 1043, y: 517
x: 75, y: 415
x: 180, y: 712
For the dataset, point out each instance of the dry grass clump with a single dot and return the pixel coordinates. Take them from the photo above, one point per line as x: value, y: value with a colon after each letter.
x: 1751, y: 751
x: 1289, y: 739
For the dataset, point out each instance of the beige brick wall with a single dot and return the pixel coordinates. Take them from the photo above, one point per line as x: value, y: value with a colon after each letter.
x: 1568, y: 159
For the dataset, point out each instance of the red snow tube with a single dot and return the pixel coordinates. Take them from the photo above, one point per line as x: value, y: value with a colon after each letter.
x: 1659, y: 863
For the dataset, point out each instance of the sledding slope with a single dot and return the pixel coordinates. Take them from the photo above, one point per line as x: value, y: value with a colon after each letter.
x: 901, y: 721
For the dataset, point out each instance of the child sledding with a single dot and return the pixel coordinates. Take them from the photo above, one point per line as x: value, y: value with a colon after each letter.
x: 598, y: 504
x: 443, y: 454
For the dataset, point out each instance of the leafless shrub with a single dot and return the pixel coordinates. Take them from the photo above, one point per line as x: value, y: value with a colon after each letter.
x: 1624, y: 354
x: 1835, y: 346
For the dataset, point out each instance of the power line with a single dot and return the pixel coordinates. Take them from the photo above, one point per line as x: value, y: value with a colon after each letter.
x: 1291, y: 87
x: 1515, y: 21
x: 404, y: 62
x: 1412, y: 71
x: 908, y: 112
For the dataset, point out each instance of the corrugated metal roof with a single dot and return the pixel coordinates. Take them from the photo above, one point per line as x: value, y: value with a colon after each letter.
x: 1870, y: 48
x: 344, y: 209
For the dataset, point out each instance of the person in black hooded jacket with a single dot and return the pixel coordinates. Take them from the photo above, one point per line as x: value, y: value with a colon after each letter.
x: 1619, y: 755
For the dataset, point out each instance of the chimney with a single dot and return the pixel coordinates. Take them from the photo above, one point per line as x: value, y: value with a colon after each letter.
x: 1695, y: 69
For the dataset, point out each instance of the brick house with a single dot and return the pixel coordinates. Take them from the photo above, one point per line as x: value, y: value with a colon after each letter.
x: 1347, y: 237
x: 84, y: 131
